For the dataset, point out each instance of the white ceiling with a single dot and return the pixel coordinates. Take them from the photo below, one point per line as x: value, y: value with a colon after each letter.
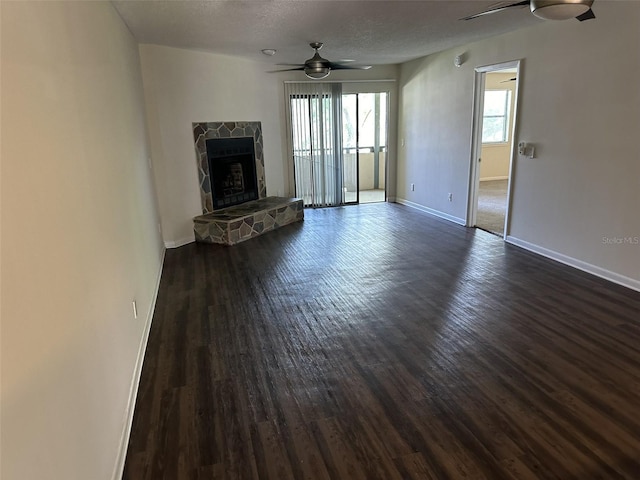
x: 368, y: 32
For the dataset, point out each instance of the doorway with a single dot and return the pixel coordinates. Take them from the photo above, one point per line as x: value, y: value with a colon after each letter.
x: 495, y: 103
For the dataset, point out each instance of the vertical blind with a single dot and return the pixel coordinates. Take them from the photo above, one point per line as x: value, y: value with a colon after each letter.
x: 314, y: 113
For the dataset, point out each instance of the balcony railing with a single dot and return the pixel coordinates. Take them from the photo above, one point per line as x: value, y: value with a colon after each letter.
x: 307, y: 172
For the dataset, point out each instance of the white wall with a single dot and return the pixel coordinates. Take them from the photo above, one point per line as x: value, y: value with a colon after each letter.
x: 579, y: 105
x: 79, y: 238
x: 434, y: 134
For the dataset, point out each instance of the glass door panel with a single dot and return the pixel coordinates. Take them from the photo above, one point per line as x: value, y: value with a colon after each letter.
x: 350, y: 147
x: 364, y: 146
x: 372, y: 146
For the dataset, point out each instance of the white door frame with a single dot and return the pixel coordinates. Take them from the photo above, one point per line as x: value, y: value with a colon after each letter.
x: 476, y: 140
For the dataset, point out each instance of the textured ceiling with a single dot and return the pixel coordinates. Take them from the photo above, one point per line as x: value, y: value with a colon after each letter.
x: 368, y: 32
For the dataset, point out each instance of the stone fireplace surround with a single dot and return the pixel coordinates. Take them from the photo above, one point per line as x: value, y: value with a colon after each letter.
x: 238, y: 223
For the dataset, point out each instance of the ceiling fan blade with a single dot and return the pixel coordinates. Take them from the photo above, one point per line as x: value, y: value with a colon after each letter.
x: 510, y: 80
x: 287, y: 69
x: 496, y: 9
x: 338, y: 66
x: 290, y: 64
x: 588, y: 15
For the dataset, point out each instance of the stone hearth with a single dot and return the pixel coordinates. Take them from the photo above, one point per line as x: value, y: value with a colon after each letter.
x: 236, y: 224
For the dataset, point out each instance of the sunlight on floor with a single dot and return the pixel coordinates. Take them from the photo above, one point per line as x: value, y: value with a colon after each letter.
x: 366, y: 196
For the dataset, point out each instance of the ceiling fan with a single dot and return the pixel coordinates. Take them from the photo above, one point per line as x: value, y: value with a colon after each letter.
x: 546, y: 9
x: 317, y: 67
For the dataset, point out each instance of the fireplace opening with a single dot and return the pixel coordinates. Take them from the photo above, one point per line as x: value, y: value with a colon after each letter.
x: 232, y: 171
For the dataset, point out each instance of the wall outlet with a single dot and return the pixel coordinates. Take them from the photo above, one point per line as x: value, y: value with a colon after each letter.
x: 450, y: 197
x: 135, y: 309
x: 413, y: 187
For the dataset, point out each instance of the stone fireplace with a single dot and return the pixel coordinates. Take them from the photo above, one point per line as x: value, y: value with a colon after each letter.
x: 233, y: 191
x: 247, y: 135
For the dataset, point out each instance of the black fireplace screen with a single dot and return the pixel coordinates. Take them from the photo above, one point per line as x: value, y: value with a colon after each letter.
x: 232, y: 171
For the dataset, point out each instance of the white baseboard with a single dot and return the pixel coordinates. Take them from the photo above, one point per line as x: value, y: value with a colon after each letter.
x: 579, y: 264
x: 430, y: 211
x: 135, y: 382
x: 488, y: 179
x: 179, y: 243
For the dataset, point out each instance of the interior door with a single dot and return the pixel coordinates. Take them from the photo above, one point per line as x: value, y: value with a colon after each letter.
x: 489, y: 204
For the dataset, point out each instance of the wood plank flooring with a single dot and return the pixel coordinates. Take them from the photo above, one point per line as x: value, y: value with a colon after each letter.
x: 377, y: 342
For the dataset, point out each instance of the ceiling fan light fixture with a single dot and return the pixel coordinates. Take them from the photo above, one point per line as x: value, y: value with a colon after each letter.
x: 559, y: 9
x: 317, y: 73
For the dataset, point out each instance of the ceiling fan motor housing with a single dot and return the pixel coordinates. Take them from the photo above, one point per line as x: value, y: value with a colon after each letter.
x: 316, y: 62
x: 317, y: 67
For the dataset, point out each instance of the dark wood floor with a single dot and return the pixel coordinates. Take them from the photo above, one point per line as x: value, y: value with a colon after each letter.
x: 377, y: 342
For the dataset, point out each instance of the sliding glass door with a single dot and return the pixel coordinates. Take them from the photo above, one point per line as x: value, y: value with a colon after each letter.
x: 338, y: 144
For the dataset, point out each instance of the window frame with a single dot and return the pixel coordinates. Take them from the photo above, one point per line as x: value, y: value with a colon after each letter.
x: 506, y: 116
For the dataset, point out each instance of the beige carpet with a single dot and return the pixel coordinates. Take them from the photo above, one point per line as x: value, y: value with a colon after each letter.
x: 492, y: 204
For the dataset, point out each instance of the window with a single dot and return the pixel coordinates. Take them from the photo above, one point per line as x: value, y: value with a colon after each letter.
x: 495, y: 120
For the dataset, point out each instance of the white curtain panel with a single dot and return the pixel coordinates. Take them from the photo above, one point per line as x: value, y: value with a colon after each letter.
x: 314, y: 111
